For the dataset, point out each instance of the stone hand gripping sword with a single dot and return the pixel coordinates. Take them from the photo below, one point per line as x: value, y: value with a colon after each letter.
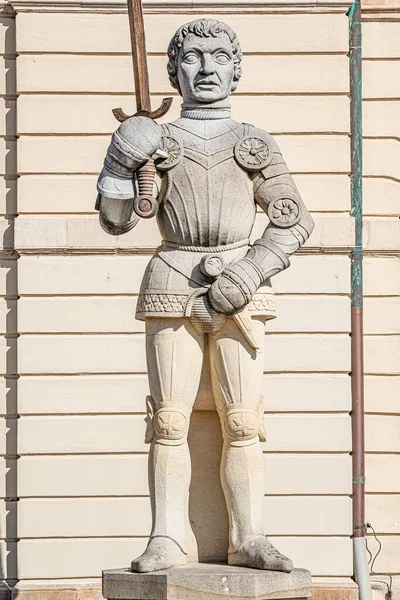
x: 145, y: 205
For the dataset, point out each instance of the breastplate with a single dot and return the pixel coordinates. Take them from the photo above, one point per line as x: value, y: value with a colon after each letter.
x: 207, y: 198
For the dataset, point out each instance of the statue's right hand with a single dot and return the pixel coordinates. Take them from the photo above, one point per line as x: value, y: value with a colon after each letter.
x: 134, y: 142
x: 132, y: 145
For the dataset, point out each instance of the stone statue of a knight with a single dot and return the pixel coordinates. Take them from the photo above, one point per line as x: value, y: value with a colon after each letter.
x: 206, y: 281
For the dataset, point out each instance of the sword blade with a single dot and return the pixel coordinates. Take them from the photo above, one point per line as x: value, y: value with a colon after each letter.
x: 140, y: 69
x: 139, y: 58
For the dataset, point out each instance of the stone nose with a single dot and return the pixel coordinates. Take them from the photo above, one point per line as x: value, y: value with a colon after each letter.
x: 207, y: 67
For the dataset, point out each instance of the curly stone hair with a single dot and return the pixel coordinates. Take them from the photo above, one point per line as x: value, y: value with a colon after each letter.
x: 201, y: 28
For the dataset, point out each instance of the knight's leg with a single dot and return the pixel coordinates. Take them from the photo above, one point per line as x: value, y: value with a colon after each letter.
x: 174, y: 359
x: 237, y: 373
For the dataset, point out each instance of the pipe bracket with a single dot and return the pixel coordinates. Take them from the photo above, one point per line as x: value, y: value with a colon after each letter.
x: 360, y: 480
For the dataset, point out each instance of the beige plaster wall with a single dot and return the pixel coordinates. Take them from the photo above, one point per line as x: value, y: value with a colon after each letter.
x: 381, y: 108
x: 80, y: 475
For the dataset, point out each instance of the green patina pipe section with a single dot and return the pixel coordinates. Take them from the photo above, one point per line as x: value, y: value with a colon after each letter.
x: 356, y: 151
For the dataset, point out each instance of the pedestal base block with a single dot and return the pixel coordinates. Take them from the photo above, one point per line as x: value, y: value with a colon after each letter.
x: 206, y: 582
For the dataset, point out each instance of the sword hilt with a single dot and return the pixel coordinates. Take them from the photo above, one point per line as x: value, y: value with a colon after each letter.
x: 212, y: 265
x: 145, y: 205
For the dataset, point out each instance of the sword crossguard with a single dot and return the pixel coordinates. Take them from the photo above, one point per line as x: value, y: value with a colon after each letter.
x: 151, y: 114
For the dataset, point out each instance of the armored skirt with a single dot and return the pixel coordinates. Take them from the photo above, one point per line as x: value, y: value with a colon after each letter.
x: 173, y: 278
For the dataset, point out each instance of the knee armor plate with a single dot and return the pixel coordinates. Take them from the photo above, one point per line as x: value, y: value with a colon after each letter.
x: 241, y: 425
x: 170, y: 424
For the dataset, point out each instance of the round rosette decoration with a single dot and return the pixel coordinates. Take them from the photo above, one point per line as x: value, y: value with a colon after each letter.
x: 284, y: 212
x: 174, y: 149
x: 253, y: 153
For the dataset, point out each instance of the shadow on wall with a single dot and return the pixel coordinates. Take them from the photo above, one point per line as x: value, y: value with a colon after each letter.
x: 8, y: 281
x: 208, y: 519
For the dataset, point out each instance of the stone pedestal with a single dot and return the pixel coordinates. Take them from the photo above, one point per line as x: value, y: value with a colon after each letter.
x: 206, y: 582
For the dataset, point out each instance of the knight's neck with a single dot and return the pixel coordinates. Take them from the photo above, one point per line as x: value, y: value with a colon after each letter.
x: 201, y: 112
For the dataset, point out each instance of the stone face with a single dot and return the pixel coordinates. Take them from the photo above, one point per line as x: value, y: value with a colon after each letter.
x: 207, y: 581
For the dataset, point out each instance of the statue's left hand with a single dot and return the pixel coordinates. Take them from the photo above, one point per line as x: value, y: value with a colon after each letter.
x: 234, y: 288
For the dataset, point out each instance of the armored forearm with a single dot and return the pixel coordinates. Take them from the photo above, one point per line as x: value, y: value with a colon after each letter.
x: 290, y: 226
x: 290, y: 222
x: 132, y: 145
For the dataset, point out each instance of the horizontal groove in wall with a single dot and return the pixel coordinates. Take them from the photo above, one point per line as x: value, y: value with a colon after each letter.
x: 74, y: 497
x: 42, y: 581
x: 143, y: 413
x: 134, y: 295
x: 74, y: 173
x: 21, y: 374
x: 135, y: 334
x: 133, y: 537
x: 140, y: 251
x: 106, y: 133
x: 170, y: 93
x: 382, y: 414
x: 380, y: 137
x: 388, y: 177
x: 92, y: 579
x: 184, y: 8
x: 386, y: 334
x: 389, y: 494
x: 80, y: 173
x: 113, y: 333
x: 381, y: 59
x: 43, y: 213
x: 382, y: 453
x: 380, y: 99
x: 164, y: 55
x: 145, y: 453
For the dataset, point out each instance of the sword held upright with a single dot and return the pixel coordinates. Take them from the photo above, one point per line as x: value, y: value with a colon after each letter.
x: 145, y: 205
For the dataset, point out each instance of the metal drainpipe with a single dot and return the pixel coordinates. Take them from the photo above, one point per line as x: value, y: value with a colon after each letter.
x: 361, y: 570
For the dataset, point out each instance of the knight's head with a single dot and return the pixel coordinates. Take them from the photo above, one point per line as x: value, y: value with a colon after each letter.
x: 204, y: 61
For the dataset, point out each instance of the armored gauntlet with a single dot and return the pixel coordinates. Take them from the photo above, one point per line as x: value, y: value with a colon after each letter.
x: 133, y: 144
x: 240, y: 281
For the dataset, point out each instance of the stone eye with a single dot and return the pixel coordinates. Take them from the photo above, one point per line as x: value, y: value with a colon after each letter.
x: 222, y: 59
x: 191, y: 58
